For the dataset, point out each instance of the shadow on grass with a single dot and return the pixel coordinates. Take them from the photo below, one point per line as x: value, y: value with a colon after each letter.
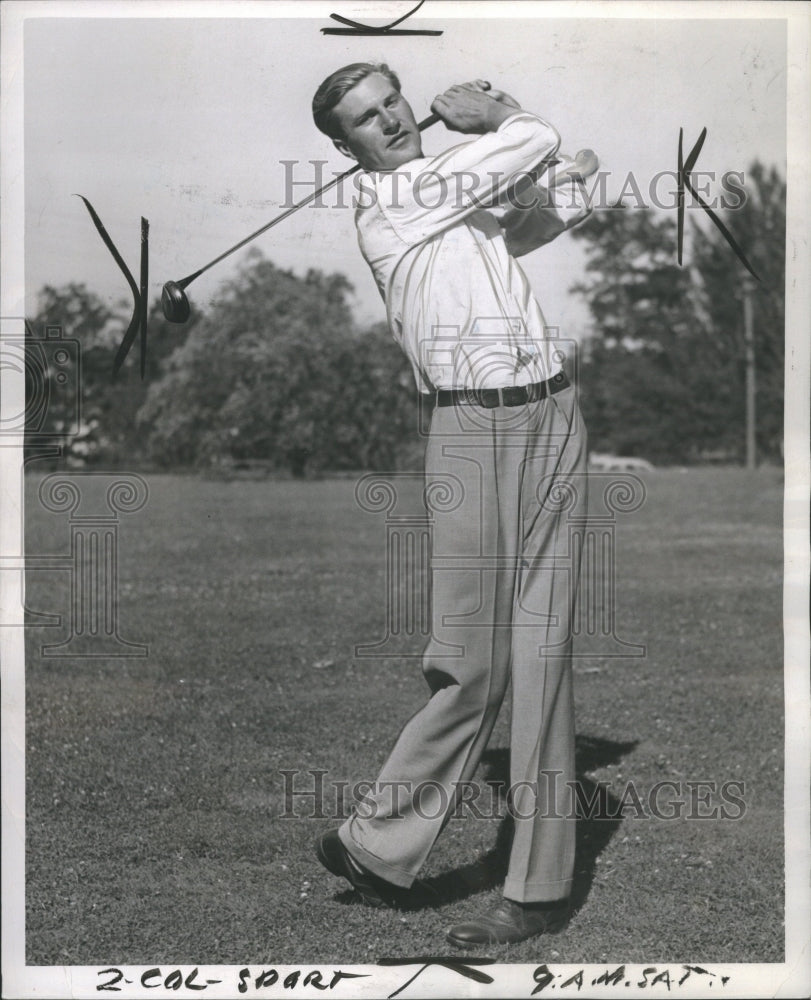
x: 592, y: 835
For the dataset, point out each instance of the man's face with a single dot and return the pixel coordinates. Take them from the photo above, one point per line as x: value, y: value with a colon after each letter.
x: 378, y: 125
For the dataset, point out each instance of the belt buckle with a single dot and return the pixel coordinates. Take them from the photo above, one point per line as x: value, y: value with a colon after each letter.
x: 515, y: 395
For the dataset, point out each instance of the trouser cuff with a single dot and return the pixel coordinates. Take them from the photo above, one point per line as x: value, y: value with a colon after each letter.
x: 537, y: 892
x: 379, y: 867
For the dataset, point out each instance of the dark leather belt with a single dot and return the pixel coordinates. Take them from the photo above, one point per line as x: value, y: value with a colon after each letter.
x: 511, y: 395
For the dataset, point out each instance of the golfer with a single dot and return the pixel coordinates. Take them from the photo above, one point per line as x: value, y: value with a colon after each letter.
x: 508, y: 447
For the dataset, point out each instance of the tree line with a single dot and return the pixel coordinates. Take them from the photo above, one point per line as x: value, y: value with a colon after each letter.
x: 664, y: 376
x: 279, y: 373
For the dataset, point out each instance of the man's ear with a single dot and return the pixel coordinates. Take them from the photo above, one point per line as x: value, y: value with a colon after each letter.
x: 342, y: 147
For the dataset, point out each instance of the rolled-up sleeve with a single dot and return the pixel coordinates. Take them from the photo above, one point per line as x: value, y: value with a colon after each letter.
x: 426, y: 196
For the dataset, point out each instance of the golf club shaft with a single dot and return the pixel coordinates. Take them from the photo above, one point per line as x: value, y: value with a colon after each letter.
x: 183, y: 283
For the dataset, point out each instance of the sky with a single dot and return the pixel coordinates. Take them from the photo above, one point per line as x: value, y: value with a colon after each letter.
x: 187, y: 121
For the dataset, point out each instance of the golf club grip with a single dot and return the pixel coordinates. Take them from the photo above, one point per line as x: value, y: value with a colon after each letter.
x: 424, y: 124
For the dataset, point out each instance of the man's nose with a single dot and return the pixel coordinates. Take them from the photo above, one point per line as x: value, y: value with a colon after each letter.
x: 389, y: 122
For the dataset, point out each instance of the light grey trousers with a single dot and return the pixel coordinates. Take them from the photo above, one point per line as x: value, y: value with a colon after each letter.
x: 505, y: 566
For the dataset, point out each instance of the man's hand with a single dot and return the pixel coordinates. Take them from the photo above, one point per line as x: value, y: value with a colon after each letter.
x: 498, y: 95
x: 582, y: 166
x: 473, y: 107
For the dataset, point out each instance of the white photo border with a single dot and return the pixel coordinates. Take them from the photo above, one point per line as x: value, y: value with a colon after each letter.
x: 791, y: 978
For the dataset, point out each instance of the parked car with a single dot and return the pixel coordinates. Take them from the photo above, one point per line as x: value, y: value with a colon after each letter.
x: 617, y: 463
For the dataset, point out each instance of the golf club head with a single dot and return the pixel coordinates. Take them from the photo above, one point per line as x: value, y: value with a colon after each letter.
x: 174, y: 303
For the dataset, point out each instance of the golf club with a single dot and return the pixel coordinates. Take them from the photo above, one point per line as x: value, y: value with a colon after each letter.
x: 174, y: 301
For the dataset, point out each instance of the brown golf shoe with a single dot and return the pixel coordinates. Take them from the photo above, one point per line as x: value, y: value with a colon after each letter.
x: 510, y: 922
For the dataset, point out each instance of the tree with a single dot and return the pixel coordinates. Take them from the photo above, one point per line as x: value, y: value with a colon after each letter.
x: 91, y: 414
x: 664, y: 375
x: 759, y: 226
x: 278, y: 372
x: 381, y: 410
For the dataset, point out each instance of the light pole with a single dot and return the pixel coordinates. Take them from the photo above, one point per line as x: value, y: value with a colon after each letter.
x: 749, y: 351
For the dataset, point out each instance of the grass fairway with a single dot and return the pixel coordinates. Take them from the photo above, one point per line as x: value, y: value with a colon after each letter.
x: 154, y: 790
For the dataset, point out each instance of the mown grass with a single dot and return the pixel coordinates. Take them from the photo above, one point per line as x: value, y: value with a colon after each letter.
x: 154, y: 788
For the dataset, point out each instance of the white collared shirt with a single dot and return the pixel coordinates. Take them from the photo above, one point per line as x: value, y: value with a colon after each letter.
x: 458, y: 303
